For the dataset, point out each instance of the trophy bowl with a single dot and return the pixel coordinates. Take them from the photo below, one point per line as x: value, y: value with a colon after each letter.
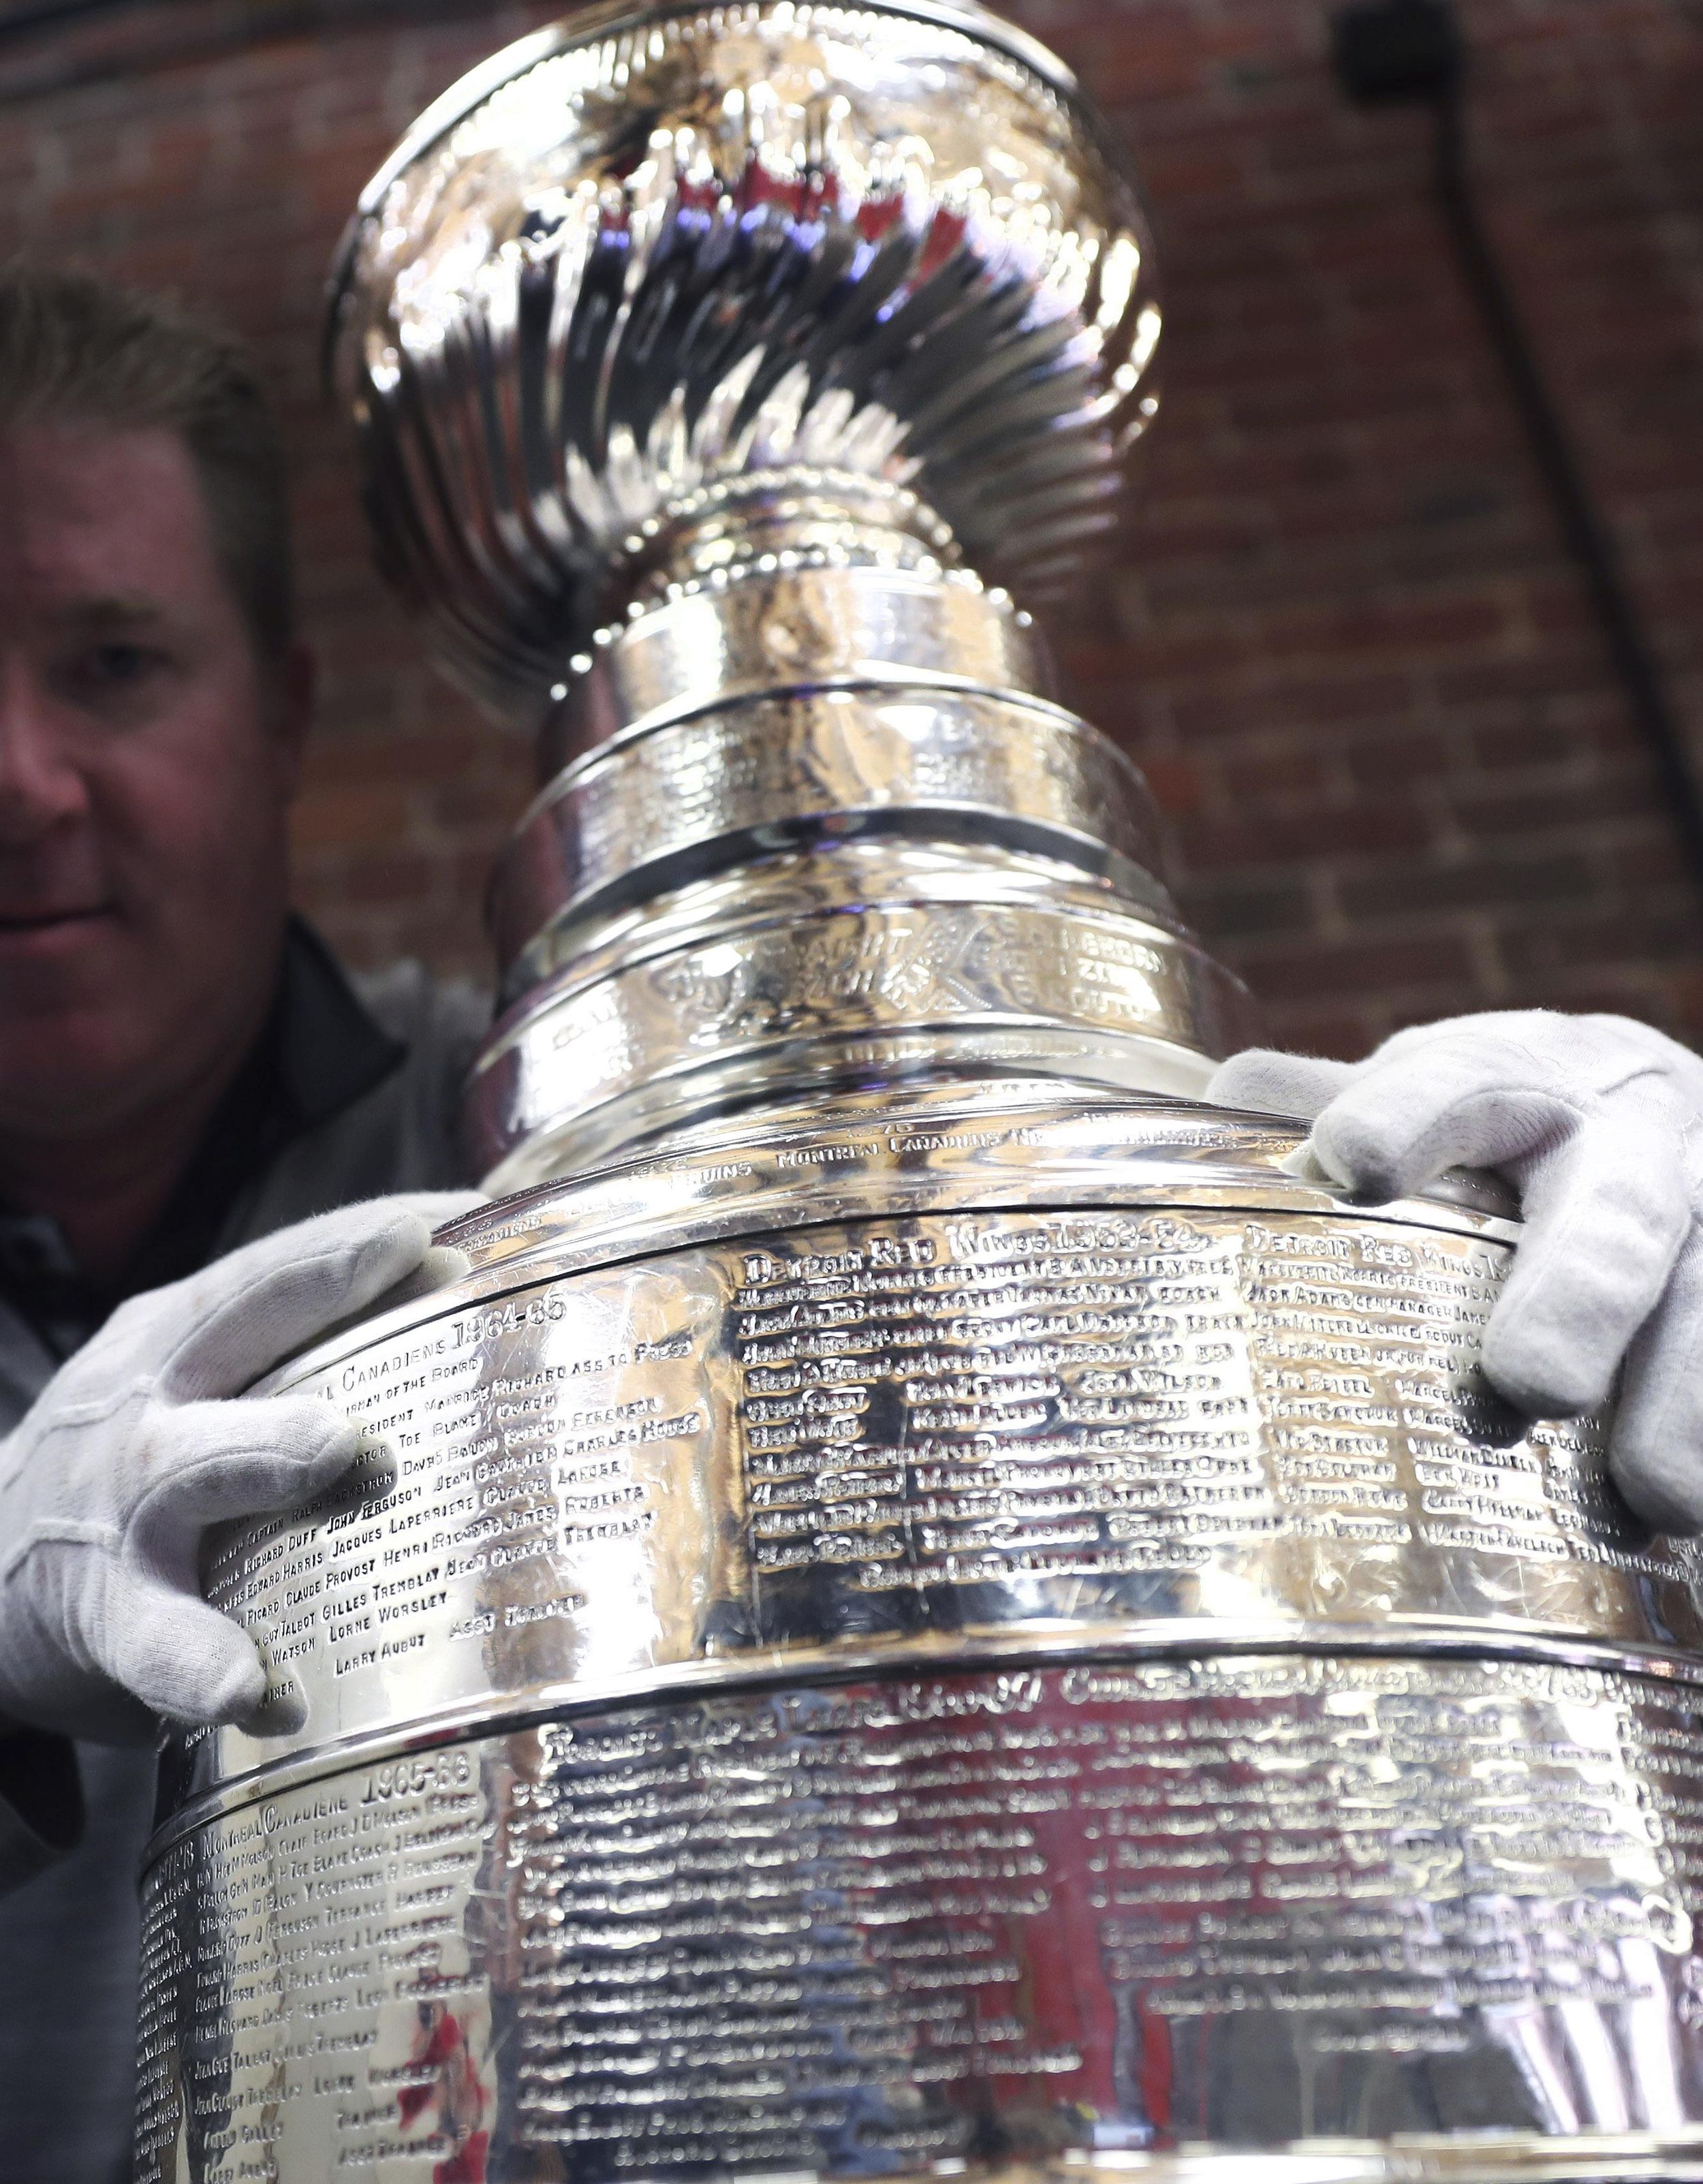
x: 917, y: 1602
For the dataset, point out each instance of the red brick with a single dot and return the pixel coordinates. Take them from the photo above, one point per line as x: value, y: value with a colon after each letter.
x: 1510, y: 880
x: 1228, y: 910
x: 1435, y: 962
x: 1298, y: 837
x: 1276, y: 778
x: 1399, y: 756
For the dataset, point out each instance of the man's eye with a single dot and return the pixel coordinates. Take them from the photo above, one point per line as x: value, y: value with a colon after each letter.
x: 119, y: 663
x: 116, y: 672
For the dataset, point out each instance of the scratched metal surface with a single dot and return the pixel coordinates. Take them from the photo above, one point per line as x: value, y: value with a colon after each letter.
x: 1053, y: 1919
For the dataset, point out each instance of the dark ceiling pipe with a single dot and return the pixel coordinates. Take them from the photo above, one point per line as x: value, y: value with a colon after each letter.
x: 1411, y: 51
x: 193, y: 33
x: 53, y: 15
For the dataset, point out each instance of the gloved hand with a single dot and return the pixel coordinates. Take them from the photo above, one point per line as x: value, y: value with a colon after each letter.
x: 131, y: 1451
x: 1598, y: 1122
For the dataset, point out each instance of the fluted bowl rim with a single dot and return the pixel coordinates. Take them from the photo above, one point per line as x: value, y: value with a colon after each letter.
x: 609, y: 19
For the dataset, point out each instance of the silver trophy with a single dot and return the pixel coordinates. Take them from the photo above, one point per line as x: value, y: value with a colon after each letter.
x: 927, y: 1605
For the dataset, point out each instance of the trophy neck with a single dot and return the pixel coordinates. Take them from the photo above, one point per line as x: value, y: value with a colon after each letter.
x: 794, y: 579
x: 714, y: 376
x: 816, y: 824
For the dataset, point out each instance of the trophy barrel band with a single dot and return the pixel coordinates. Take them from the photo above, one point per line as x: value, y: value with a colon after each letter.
x: 1181, y: 1919
x: 989, y: 1147
x: 808, y: 626
x: 808, y: 1449
x: 1033, y: 988
x: 654, y: 810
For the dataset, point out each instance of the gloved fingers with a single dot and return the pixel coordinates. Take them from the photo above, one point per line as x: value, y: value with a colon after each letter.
x: 1655, y: 1453
x: 175, y: 1654
x: 260, y: 1303
x: 1607, y: 1213
x: 1274, y: 1084
x: 1595, y: 1053
x: 1460, y: 1099
x: 205, y: 1463
x: 54, y: 1607
x: 282, y: 1711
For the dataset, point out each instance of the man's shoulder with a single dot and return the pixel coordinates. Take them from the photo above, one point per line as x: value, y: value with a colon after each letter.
x: 410, y: 1118
x: 432, y: 1017
x: 402, y: 1133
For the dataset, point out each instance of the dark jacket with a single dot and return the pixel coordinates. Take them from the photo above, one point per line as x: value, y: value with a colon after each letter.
x: 351, y: 1093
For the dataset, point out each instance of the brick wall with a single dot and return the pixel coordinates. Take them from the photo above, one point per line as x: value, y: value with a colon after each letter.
x: 1343, y: 638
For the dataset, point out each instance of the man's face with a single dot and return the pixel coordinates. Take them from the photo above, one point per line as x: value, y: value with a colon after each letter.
x: 146, y: 763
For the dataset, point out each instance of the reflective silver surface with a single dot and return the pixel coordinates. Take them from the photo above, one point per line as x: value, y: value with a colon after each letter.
x: 923, y: 1604
x: 963, y: 1431
x: 827, y: 994
x: 1045, y: 1919
x: 819, y: 889
x: 727, y: 636
x: 654, y: 254
x: 949, y: 1679
x: 796, y: 769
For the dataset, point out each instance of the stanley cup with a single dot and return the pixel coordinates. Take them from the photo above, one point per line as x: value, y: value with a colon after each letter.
x: 917, y: 1602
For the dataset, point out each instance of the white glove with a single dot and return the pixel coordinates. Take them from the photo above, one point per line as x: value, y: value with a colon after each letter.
x: 130, y: 1452
x: 1596, y: 1121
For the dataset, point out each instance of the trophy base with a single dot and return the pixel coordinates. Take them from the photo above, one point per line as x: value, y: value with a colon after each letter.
x: 905, y: 1924
x: 991, y: 1634
x: 1632, y: 2159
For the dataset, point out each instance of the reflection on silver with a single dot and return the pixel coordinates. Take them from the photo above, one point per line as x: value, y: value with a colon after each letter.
x: 660, y: 263
x: 711, y: 790
x: 852, y: 626
x: 926, y: 1604
x: 809, y: 992
x: 963, y: 1432
x: 1057, y: 1919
